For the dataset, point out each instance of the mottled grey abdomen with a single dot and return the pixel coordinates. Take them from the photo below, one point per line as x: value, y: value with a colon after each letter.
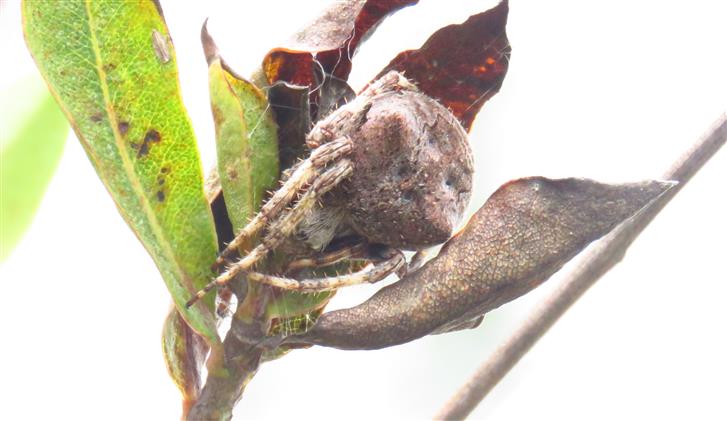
x: 412, y: 174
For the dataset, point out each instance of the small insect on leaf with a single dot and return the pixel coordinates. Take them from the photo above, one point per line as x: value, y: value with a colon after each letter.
x: 160, y: 46
x: 523, y: 234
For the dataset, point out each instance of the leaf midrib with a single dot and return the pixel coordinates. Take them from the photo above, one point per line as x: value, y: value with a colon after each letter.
x: 123, y: 150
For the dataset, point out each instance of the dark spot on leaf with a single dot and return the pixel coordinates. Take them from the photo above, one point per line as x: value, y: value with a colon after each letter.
x: 160, y: 181
x: 97, y: 117
x: 152, y: 136
x: 109, y: 67
x: 232, y: 173
x: 160, y: 196
x: 143, y: 150
x: 165, y: 170
x: 123, y: 127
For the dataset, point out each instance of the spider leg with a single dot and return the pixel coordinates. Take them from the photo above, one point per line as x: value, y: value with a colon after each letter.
x: 371, y: 273
x: 284, y: 227
x: 301, y: 176
x: 352, y: 251
x: 418, y: 260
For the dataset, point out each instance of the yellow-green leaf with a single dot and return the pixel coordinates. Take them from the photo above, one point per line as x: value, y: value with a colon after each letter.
x: 111, y: 66
x: 247, y: 142
x: 32, y: 134
x: 247, y: 155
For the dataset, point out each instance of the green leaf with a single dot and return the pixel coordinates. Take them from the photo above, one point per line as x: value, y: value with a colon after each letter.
x: 247, y: 139
x: 111, y: 66
x: 33, y: 134
x: 247, y: 154
x: 294, y: 303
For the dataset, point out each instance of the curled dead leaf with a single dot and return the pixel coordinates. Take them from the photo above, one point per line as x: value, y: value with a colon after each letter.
x: 523, y: 234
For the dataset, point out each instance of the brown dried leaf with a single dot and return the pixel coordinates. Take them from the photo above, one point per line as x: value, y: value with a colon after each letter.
x: 462, y: 65
x: 524, y: 233
x: 331, y: 40
x: 322, y: 52
x: 291, y: 110
x: 184, y: 354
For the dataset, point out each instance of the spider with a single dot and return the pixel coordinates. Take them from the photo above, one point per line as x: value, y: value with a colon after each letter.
x: 389, y: 171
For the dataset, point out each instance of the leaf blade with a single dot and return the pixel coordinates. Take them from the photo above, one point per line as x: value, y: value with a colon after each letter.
x: 463, y: 65
x: 247, y: 152
x: 184, y: 353
x: 111, y: 67
x: 521, y: 236
x: 320, y: 55
x: 247, y: 142
x: 36, y: 133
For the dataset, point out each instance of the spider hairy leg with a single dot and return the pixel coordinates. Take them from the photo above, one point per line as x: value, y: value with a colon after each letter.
x: 288, y: 222
x: 419, y: 258
x: 370, y: 274
x: 284, y: 227
x: 353, y: 251
x: 300, y: 177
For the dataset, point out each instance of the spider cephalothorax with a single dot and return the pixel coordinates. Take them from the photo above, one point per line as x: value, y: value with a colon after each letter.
x: 392, y: 168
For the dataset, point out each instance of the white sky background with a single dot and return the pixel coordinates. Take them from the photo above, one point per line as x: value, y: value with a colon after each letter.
x: 608, y: 90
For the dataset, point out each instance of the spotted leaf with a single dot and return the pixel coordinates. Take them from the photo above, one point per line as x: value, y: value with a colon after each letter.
x: 111, y: 67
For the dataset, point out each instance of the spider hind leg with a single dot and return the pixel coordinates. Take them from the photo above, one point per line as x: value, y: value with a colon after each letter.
x: 385, y: 261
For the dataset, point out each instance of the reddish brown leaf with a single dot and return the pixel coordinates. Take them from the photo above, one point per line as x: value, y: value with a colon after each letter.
x: 323, y: 51
x: 461, y: 65
x: 317, y: 61
x: 290, y: 66
x: 291, y: 108
x: 331, y: 40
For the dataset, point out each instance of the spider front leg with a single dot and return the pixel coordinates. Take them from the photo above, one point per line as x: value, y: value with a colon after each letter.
x: 388, y: 261
x: 285, y: 225
x: 302, y: 175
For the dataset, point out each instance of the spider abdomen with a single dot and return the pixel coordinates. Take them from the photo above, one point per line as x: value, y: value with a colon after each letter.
x: 412, y: 171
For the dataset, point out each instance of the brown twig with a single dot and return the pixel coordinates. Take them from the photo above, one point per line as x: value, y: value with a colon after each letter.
x: 595, y: 263
x: 220, y: 393
x: 223, y: 390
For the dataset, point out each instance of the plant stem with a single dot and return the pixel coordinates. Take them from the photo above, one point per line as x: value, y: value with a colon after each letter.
x: 222, y: 392
x: 591, y: 266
